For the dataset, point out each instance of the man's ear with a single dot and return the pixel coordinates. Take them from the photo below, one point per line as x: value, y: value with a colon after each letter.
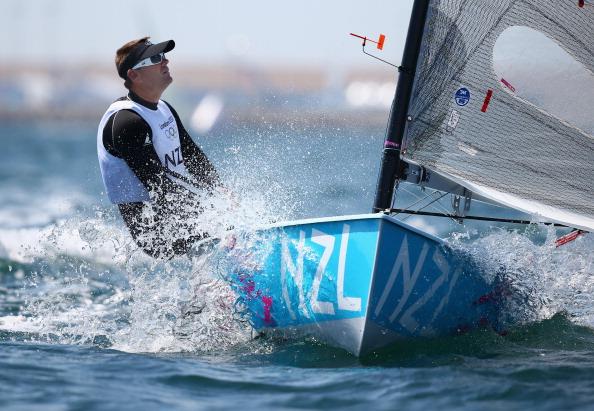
x: 132, y: 75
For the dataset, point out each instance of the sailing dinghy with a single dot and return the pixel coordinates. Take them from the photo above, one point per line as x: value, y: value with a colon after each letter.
x: 363, y: 282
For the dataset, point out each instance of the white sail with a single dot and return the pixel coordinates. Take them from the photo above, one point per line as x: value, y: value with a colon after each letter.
x: 540, y: 212
x: 468, y: 124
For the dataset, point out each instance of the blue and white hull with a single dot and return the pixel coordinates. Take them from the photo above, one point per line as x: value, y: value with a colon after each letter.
x: 358, y: 282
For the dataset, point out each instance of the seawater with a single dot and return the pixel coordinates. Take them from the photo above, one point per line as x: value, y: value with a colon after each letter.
x: 88, y: 322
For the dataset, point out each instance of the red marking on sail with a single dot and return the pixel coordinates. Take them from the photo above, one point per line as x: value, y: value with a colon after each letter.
x: 581, y: 3
x: 380, y: 42
x: 567, y: 238
x: 508, y: 85
x: 487, y: 101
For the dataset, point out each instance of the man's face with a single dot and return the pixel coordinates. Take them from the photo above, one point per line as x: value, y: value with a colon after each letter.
x: 155, y: 76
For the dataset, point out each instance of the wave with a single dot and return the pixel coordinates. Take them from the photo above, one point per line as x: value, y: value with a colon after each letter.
x: 83, y: 280
x: 542, y: 279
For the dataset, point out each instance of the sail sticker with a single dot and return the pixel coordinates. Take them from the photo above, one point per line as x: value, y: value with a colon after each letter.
x: 487, y: 100
x: 462, y: 96
x: 453, y: 120
x: 508, y: 85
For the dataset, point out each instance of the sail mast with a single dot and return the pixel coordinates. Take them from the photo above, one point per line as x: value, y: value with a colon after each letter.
x: 398, y: 115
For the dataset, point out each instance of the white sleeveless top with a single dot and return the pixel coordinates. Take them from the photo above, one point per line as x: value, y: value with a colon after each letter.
x: 120, y: 182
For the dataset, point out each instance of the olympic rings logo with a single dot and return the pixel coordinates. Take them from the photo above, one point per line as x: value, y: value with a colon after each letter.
x: 170, y: 132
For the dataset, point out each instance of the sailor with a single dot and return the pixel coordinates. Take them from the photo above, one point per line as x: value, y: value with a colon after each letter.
x: 149, y: 163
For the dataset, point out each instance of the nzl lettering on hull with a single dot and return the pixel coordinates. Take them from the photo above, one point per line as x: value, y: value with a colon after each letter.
x: 372, y: 268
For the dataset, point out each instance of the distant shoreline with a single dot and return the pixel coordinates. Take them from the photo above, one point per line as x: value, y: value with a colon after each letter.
x: 298, y: 94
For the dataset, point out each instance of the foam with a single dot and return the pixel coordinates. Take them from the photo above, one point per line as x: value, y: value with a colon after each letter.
x: 543, y: 279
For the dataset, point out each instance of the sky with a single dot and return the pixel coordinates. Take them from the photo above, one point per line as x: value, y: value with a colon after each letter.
x: 259, y: 32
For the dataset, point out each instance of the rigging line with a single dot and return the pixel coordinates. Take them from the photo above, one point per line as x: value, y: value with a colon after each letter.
x: 437, y: 199
x: 437, y: 194
x: 427, y: 205
x: 445, y: 211
x: 420, y: 199
x: 434, y: 192
x: 479, y: 218
x: 375, y: 57
x: 417, y: 196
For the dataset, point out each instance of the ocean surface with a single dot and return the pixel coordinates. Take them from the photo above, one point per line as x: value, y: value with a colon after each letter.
x: 87, y: 322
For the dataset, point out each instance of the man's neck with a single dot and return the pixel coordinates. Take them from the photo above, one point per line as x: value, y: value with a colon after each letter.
x: 147, y: 95
x: 134, y: 96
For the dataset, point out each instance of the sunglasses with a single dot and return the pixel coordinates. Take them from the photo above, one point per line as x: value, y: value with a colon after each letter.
x: 150, y: 61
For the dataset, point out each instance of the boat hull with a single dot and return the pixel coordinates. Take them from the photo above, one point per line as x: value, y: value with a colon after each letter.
x: 359, y: 282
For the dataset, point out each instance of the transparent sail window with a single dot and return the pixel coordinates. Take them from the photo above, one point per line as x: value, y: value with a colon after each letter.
x: 535, y: 68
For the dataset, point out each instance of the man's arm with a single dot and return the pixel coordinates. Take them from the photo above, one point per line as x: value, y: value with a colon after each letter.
x: 148, y: 233
x: 129, y: 137
x: 126, y: 136
x: 197, y: 164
